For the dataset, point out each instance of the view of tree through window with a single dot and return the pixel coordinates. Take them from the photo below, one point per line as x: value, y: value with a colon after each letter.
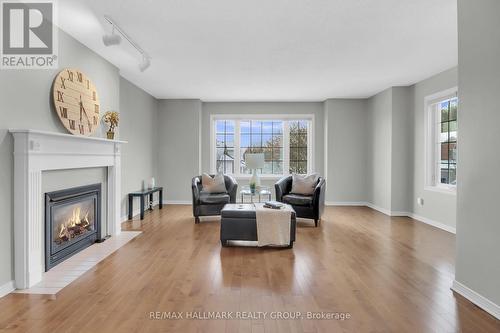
x: 298, y: 146
x: 448, y: 141
x: 265, y: 137
x: 283, y: 143
x: 224, y: 143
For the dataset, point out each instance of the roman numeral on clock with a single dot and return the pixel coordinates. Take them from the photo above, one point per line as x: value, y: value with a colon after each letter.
x: 96, y: 108
x: 63, y: 111
x: 82, y: 129
x: 72, y: 124
x: 95, y: 120
x: 60, y: 96
x: 70, y: 75
x: 63, y: 86
x: 79, y: 77
x: 94, y: 95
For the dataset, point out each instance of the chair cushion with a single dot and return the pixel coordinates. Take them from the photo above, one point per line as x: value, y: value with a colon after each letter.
x: 214, y: 198
x: 298, y: 199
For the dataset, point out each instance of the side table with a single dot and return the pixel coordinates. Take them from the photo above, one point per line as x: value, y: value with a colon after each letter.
x: 142, y: 195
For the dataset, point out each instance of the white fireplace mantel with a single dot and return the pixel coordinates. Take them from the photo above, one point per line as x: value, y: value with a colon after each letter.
x: 37, y: 151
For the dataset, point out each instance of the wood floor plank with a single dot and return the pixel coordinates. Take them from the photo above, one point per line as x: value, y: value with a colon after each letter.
x: 389, y: 274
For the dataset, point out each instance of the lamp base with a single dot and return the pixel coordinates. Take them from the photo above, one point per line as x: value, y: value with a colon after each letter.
x: 254, y: 181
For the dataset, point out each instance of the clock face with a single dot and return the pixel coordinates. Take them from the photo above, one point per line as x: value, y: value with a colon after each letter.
x: 76, y: 102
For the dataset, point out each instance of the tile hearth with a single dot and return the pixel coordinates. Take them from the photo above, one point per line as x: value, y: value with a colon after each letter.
x: 71, y: 269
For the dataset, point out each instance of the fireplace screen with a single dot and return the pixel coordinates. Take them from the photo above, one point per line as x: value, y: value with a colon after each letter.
x: 72, y: 219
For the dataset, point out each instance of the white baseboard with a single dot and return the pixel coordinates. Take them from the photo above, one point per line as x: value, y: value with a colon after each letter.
x: 135, y: 212
x: 395, y: 213
x: 479, y: 300
x: 7, y: 288
x: 433, y: 223
x: 387, y: 212
x: 345, y: 203
x: 177, y: 202
x: 378, y: 208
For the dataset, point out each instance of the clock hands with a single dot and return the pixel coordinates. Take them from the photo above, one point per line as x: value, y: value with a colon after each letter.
x: 82, y: 111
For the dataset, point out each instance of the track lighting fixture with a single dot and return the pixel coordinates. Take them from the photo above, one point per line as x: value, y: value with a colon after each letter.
x: 115, y: 39
x: 112, y: 39
x: 146, y: 62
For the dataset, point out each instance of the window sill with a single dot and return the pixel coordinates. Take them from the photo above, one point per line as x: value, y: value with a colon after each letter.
x: 452, y: 190
x: 264, y: 177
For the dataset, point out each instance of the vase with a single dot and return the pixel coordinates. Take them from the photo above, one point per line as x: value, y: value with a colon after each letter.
x: 110, y: 135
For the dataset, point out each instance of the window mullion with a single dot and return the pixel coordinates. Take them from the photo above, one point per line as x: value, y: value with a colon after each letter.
x: 309, y: 148
x: 286, y: 148
x: 237, y: 156
x: 437, y: 155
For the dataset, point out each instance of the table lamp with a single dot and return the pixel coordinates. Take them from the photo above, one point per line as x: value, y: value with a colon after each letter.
x: 254, y: 161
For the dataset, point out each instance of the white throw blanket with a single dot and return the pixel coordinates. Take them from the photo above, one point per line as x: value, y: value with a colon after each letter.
x: 273, y: 225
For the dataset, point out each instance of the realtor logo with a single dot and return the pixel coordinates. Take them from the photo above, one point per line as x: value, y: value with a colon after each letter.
x: 29, y: 35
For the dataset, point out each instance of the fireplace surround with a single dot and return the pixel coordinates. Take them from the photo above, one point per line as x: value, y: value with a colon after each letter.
x: 38, y: 151
x: 72, y: 222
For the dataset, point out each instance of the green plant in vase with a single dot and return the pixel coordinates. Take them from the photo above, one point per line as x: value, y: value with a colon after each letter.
x: 253, y: 186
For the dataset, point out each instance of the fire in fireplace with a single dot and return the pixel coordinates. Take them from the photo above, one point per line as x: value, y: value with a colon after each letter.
x: 72, y: 220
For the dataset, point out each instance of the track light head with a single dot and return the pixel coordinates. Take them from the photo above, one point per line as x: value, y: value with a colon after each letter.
x: 111, y: 39
x: 146, y: 62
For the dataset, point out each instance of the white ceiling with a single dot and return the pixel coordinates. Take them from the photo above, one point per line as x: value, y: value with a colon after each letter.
x: 271, y: 50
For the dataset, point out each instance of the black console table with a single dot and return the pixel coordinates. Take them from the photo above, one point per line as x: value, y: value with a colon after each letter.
x: 142, y: 195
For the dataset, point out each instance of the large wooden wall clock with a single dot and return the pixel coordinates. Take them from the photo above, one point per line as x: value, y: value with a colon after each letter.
x: 76, y: 101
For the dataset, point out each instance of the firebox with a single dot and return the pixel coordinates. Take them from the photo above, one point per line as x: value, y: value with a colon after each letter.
x: 72, y: 222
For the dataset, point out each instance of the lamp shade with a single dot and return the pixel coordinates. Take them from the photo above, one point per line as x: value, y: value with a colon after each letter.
x: 254, y: 161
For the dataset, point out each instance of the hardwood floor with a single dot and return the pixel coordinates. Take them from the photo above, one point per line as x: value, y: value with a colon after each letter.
x: 389, y: 274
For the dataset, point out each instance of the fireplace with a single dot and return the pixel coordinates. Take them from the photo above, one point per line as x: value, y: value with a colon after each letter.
x: 72, y: 222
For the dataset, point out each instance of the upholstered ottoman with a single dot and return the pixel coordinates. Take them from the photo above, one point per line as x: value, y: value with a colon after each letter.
x: 238, y: 222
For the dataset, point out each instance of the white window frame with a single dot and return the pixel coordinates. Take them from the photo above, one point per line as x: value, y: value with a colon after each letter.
x: 432, y: 135
x: 286, y: 141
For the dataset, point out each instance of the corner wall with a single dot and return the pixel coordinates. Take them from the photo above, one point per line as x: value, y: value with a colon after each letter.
x: 478, y: 223
x: 179, y: 147
x: 346, y: 151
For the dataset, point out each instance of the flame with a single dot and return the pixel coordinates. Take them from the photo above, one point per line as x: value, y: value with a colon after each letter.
x: 74, y: 220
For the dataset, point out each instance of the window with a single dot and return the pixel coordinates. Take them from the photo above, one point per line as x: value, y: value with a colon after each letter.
x: 442, y: 133
x: 285, y: 143
x: 224, y: 143
x: 265, y: 137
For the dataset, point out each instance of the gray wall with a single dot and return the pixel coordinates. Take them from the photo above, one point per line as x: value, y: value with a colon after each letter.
x: 139, y: 116
x: 25, y: 103
x: 478, y: 226
x: 401, y: 150
x: 438, y: 206
x: 179, y: 147
x: 380, y: 149
x: 346, y: 150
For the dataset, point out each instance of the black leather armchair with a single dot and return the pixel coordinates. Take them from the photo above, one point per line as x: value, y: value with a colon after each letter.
x: 305, y: 206
x: 209, y: 204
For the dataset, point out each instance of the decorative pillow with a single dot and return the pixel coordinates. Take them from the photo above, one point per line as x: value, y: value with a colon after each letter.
x: 213, y: 185
x: 304, y: 184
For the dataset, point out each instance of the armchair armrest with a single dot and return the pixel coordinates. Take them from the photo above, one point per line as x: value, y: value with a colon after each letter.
x: 231, y: 187
x: 319, y: 195
x: 282, y: 187
x: 195, y: 190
